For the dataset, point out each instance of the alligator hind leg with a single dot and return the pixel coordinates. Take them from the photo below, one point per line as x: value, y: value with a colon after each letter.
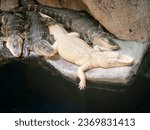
x: 81, y: 74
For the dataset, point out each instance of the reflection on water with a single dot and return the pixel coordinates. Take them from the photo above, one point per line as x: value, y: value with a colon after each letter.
x: 26, y: 88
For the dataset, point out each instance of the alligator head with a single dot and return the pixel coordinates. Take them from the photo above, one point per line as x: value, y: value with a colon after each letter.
x: 105, y: 42
x: 110, y: 59
x: 14, y: 43
x: 43, y: 48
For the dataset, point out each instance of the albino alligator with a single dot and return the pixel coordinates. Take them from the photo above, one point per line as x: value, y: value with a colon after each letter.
x: 39, y: 39
x: 75, y: 50
x: 12, y: 29
x: 90, y: 29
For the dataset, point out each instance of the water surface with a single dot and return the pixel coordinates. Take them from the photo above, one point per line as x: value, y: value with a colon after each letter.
x: 25, y: 88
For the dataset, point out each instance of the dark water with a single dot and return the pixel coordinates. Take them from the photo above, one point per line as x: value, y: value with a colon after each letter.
x: 25, y: 88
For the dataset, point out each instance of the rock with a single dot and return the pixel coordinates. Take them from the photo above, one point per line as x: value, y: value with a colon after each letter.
x: 6, y: 5
x: 126, y: 19
x: 52, y: 3
x: 72, y: 4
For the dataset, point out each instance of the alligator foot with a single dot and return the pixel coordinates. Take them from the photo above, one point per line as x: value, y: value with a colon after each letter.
x: 81, y: 74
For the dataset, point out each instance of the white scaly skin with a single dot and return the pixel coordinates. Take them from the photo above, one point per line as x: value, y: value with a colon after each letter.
x: 75, y: 50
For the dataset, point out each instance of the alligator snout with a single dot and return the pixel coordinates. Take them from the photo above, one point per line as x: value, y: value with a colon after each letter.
x: 115, y: 59
x: 124, y: 60
x: 105, y: 42
x: 43, y: 48
x: 14, y: 44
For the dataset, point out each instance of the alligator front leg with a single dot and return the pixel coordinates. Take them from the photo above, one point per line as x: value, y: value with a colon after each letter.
x: 81, y: 74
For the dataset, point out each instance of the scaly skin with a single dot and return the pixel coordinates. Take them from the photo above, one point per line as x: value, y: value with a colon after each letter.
x: 12, y: 29
x: 39, y: 36
x: 90, y: 30
x: 75, y: 50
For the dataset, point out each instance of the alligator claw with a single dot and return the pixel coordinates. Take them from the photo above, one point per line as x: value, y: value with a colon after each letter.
x: 81, y: 87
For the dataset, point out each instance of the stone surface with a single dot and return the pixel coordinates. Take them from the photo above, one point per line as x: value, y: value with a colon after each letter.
x: 6, y: 5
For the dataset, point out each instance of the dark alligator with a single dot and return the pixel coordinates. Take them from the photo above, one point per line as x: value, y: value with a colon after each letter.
x: 12, y: 29
x: 39, y: 40
x: 79, y: 21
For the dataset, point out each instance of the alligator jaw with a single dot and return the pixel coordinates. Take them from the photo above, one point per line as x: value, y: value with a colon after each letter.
x: 14, y: 43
